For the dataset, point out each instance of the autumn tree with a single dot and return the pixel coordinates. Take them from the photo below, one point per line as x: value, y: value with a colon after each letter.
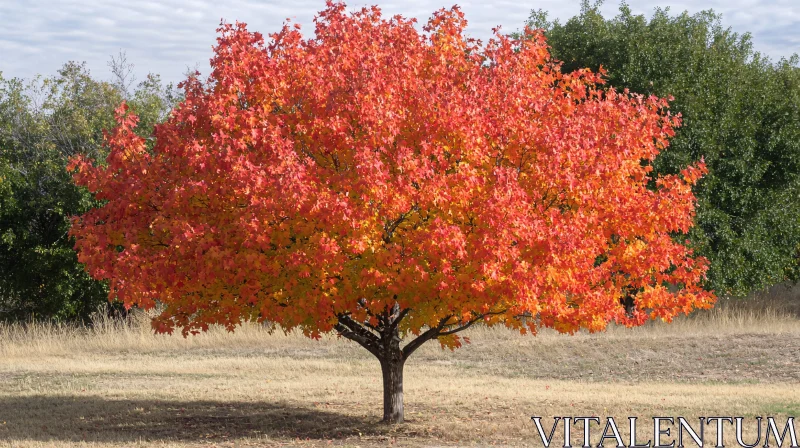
x: 393, y: 187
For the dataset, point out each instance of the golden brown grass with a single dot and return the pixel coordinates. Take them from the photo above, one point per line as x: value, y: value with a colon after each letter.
x: 117, y: 384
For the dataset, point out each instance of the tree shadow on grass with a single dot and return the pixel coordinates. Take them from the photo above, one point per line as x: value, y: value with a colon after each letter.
x: 74, y: 418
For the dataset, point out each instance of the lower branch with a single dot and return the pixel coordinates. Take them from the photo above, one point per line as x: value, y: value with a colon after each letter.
x: 443, y: 329
x: 429, y: 334
x: 463, y: 327
x: 372, y: 344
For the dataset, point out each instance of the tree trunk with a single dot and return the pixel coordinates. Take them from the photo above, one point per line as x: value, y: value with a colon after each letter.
x: 392, y: 369
x: 383, y: 341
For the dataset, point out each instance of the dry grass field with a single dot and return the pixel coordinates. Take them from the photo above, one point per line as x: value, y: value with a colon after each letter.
x: 118, y: 385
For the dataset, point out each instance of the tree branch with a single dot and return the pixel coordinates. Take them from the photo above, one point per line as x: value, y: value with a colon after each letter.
x: 398, y: 317
x: 470, y: 323
x: 358, y: 328
x: 461, y: 328
x: 371, y: 346
x: 431, y: 333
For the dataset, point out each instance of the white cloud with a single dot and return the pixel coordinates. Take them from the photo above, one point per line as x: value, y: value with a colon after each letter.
x: 166, y: 37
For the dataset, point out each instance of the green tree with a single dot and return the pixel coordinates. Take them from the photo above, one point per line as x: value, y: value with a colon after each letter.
x: 741, y: 113
x: 44, y: 122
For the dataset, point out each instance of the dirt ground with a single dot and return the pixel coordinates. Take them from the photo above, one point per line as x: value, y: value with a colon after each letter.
x: 125, y: 387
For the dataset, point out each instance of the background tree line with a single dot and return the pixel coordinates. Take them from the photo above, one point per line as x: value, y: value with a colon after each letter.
x: 44, y: 122
x: 741, y: 113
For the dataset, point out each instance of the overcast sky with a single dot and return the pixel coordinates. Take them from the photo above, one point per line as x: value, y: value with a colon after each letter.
x: 166, y: 37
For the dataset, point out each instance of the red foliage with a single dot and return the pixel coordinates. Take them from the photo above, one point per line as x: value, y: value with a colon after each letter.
x: 374, y: 165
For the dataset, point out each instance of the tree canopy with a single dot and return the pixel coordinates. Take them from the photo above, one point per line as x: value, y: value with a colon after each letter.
x: 740, y: 112
x: 384, y: 184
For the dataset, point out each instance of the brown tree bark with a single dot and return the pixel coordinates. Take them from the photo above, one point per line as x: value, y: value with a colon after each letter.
x: 392, y: 370
x: 392, y: 360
